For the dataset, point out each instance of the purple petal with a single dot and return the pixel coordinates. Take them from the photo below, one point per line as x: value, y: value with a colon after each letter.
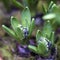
x: 32, y: 42
x: 38, y: 19
x: 23, y: 51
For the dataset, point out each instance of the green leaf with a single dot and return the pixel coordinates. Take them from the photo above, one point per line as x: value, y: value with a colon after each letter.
x: 26, y: 17
x: 9, y: 31
x: 38, y: 35
x: 49, y: 1
x: 49, y: 16
x: 56, y: 10
x: 20, y: 33
x: 44, y: 9
x: 15, y: 24
x: 52, y: 37
x: 50, y: 6
x: 32, y: 26
x: 42, y: 49
x: 47, y: 29
x: 32, y: 48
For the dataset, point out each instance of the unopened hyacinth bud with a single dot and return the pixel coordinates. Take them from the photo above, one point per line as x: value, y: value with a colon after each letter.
x: 49, y: 44
x: 21, y: 27
x: 54, y: 51
x: 25, y: 31
x: 46, y: 42
x: 43, y: 39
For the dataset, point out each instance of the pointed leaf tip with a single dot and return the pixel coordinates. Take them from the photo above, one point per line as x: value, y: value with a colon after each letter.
x: 33, y: 19
x: 12, y: 17
x: 33, y: 48
x: 38, y: 35
x: 9, y: 31
x: 26, y: 17
x: 32, y: 26
x: 26, y: 7
x: 2, y: 25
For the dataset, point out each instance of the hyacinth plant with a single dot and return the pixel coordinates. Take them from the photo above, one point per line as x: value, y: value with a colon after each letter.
x: 23, y: 30
x: 52, y: 13
x: 44, y: 46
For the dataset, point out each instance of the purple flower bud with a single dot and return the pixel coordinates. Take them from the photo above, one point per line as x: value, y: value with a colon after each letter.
x: 25, y: 31
x: 49, y: 45
x: 38, y: 19
x: 32, y: 41
x: 53, y: 50
x: 23, y: 51
x: 46, y: 41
